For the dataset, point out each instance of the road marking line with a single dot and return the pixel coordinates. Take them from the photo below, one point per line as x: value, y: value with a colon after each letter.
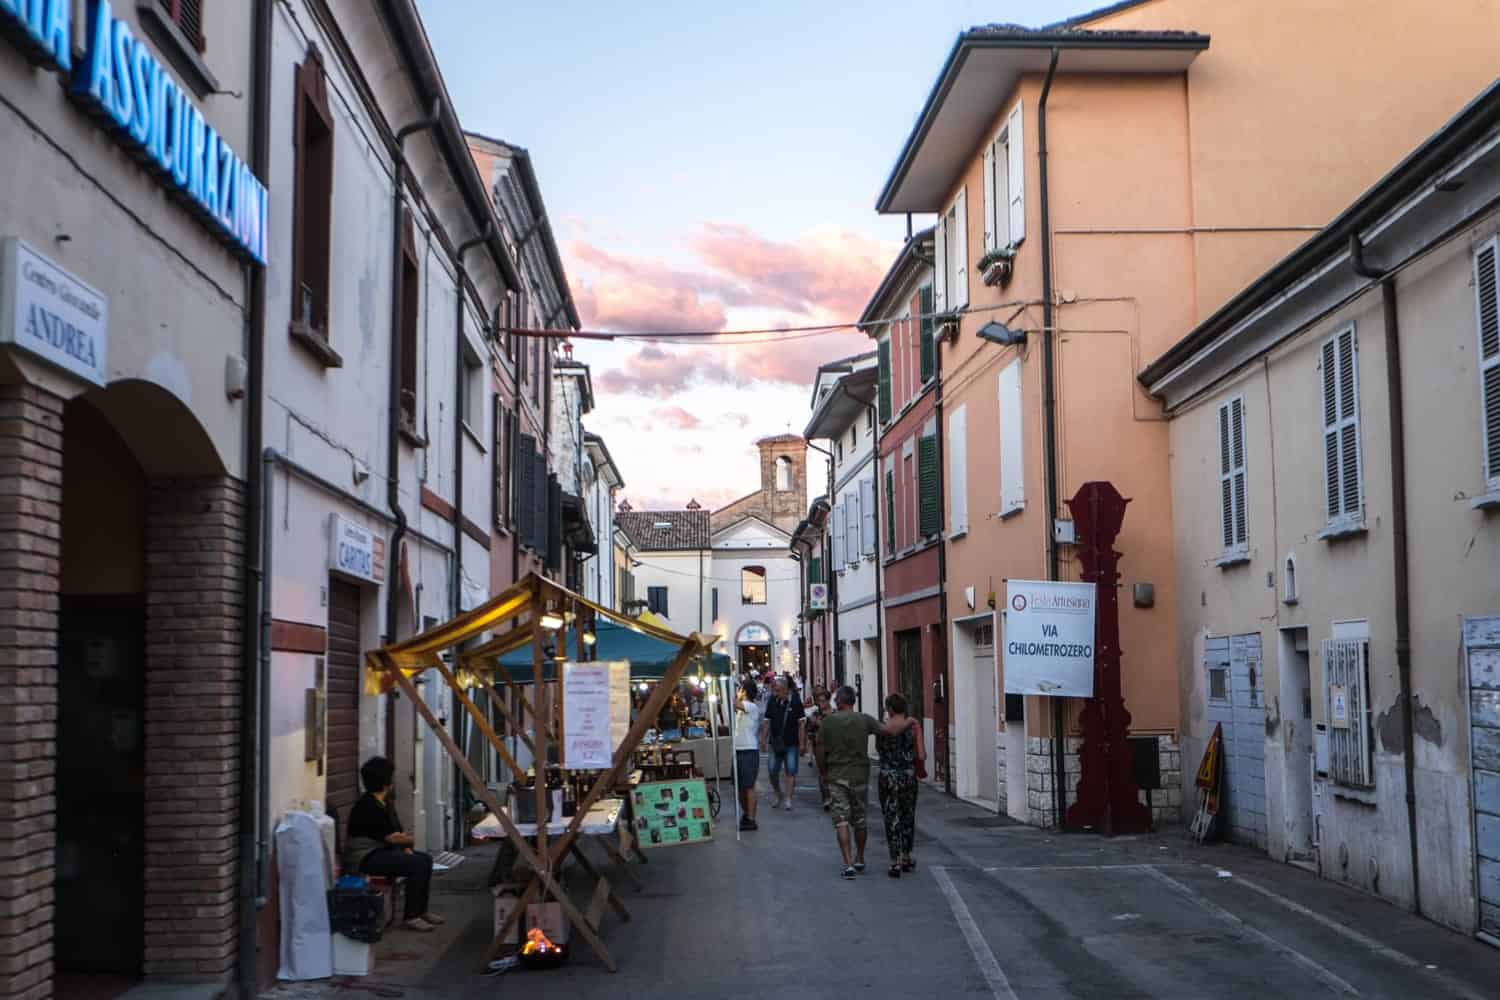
x: 1326, y: 976
x: 1383, y: 950
x: 983, y: 956
x: 1085, y: 868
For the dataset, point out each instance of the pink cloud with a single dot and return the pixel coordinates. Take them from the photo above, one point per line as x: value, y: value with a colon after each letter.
x: 677, y: 418
x: 661, y: 371
x: 826, y: 272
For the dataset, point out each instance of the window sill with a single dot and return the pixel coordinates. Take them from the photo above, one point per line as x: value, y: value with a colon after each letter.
x: 1290, y: 602
x: 409, y: 434
x: 177, y: 47
x: 1006, y: 515
x: 474, y: 438
x: 1340, y: 530
x: 958, y: 533
x: 315, y: 344
x: 1351, y: 793
x: 1489, y: 501
x: 1233, y: 557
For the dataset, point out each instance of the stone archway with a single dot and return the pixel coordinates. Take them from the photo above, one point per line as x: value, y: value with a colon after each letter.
x: 124, y: 593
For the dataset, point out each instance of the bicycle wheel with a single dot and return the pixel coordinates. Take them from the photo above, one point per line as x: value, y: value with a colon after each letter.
x: 713, y: 802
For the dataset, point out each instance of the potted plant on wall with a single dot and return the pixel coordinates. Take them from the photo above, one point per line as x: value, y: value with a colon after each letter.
x: 995, y: 266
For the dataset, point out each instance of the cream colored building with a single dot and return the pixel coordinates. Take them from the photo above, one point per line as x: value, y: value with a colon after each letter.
x: 1335, y: 470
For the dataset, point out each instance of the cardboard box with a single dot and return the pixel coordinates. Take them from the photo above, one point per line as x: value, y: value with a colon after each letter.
x: 507, y: 897
x: 351, y: 957
x: 549, y: 917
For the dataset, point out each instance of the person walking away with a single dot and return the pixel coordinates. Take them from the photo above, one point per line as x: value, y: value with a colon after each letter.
x: 747, y: 724
x: 376, y: 844
x: 903, y: 759
x: 821, y: 709
x: 846, y: 740
x: 785, y: 718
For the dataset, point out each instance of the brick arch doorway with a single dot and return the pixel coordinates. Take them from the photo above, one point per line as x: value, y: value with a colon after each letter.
x: 147, y: 689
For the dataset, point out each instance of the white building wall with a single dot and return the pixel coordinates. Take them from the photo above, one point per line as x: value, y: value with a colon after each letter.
x: 778, y: 614
x: 680, y: 573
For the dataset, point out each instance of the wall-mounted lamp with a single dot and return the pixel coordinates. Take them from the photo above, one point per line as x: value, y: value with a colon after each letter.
x: 551, y: 621
x: 998, y: 333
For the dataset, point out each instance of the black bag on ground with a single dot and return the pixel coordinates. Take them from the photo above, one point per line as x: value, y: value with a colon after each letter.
x: 356, y: 913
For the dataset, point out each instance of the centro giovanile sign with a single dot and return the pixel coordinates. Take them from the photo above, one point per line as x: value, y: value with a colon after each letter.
x: 121, y: 80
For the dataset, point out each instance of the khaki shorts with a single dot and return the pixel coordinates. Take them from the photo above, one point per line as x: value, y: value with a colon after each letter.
x: 847, y: 803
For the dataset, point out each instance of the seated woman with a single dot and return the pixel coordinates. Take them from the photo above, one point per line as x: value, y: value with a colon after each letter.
x: 376, y: 844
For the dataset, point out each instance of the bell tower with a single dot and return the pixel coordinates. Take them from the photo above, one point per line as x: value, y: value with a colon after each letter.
x: 783, y: 479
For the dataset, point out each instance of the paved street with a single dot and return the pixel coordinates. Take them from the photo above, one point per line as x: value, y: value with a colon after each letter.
x: 993, y: 911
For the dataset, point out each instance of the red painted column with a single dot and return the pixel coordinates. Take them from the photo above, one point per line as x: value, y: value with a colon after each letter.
x: 1108, y: 799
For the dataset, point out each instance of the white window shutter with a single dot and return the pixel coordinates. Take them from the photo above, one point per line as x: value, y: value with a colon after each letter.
x: 940, y: 265
x: 1015, y: 175
x: 852, y: 522
x: 958, y: 471
x: 1341, y: 460
x: 1012, y: 460
x: 1232, y: 485
x: 869, y: 522
x: 987, y: 167
x: 960, y: 251
x: 1486, y: 280
x: 837, y: 531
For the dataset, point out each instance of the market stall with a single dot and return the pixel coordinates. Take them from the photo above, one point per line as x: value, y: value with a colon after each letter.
x: 583, y: 721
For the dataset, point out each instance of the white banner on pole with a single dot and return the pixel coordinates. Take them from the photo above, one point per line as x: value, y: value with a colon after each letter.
x: 1049, y: 638
x: 587, y: 734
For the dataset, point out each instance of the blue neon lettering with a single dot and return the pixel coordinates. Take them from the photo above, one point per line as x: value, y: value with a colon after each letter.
x: 181, y: 136
x: 195, y: 158
x: 211, y: 170
x: 11, y: 7
x: 228, y: 175
x: 145, y: 103
x: 35, y: 12
x: 98, y: 79
x: 163, y: 97
x: 123, y: 107
x: 57, y: 38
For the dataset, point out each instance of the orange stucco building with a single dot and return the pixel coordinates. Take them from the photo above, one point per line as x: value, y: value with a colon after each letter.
x: 1127, y: 172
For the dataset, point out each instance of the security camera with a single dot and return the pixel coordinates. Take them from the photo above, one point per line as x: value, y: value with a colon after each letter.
x: 999, y: 333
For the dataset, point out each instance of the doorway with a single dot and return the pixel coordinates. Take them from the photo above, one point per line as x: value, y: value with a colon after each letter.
x: 343, y: 698
x: 975, y: 717
x: 755, y: 659
x: 1297, y: 744
x: 99, y: 925
x: 1236, y: 701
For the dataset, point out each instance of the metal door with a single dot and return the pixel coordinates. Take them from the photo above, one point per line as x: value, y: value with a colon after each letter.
x: 343, y: 698
x: 1482, y: 642
x: 1236, y: 699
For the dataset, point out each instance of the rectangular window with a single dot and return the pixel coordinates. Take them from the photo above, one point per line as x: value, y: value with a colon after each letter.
x: 410, y: 310
x: 188, y: 16
x: 884, y: 391
x: 753, y: 585
x: 1341, y: 459
x: 958, y: 471
x: 870, y: 421
x: 853, y: 436
x: 956, y: 255
x: 1486, y: 279
x: 1232, y: 473
x: 930, y: 497
x: 713, y: 598
x: 890, y: 511
x: 312, y: 198
x: 1012, y: 459
x: 836, y: 535
x: 867, y: 516
x: 1015, y: 177
x: 852, y: 521
x: 500, y: 460
x: 1346, y: 673
x: 927, y: 325
x: 471, y: 405
x: 656, y: 600
x: 522, y: 509
x: 908, y: 523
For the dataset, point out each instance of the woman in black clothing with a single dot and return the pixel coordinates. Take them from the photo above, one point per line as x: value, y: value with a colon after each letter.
x: 376, y: 844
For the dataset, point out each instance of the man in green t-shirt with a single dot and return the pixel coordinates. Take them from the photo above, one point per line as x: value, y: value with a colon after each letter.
x: 845, y: 736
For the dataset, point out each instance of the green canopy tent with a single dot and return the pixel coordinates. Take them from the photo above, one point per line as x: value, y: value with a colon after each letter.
x: 649, y: 656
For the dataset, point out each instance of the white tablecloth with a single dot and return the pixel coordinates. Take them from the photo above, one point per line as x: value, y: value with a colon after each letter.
x: 602, y: 819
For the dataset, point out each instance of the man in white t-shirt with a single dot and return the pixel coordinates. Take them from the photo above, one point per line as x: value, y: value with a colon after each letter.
x: 748, y: 716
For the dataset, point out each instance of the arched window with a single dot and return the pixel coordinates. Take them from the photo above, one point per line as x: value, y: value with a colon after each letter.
x: 753, y: 585
x: 783, y: 474
x: 1289, y: 581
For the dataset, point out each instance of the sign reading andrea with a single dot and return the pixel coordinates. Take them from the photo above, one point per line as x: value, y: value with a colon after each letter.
x: 121, y: 80
x: 1049, y: 638
x: 49, y: 313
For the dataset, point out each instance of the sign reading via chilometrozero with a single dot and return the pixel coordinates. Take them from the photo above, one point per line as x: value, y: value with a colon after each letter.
x: 1049, y: 638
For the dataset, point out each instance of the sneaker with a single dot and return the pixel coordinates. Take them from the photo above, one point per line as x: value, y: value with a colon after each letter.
x: 418, y: 924
x: 747, y: 823
x: 787, y: 805
x: 859, y: 867
x: 776, y: 803
x: 848, y: 872
x: 433, y: 919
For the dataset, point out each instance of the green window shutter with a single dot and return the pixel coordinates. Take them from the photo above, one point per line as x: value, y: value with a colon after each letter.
x: 929, y: 343
x: 885, y: 381
x: 890, y: 510
x: 930, y: 511
x: 815, y: 570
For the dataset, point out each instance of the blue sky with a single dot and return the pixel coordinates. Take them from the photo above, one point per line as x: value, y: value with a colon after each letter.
x: 708, y: 165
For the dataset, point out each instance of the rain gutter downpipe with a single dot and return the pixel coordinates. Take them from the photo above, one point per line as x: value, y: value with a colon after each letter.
x: 836, y: 654
x: 1400, y: 567
x: 254, y: 793
x: 393, y: 430
x: 1049, y: 410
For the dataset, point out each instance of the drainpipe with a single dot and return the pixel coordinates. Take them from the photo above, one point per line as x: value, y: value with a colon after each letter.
x: 1049, y: 418
x: 253, y: 843
x: 837, y: 654
x: 393, y: 432
x: 1401, y: 569
x: 458, y: 489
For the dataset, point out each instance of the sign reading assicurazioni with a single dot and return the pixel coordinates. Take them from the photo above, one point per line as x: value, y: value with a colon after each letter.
x: 1049, y: 638
x: 121, y: 81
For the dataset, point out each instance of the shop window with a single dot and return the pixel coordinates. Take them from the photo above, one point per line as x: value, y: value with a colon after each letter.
x: 312, y: 206
x: 187, y: 15
x: 753, y: 585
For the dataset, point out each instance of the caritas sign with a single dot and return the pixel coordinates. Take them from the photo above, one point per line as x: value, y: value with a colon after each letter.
x: 1049, y: 638
x: 355, y: 551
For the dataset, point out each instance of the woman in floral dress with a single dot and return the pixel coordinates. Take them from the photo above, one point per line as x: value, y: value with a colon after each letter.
x: 821, y: 708
x: 902, y: 759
